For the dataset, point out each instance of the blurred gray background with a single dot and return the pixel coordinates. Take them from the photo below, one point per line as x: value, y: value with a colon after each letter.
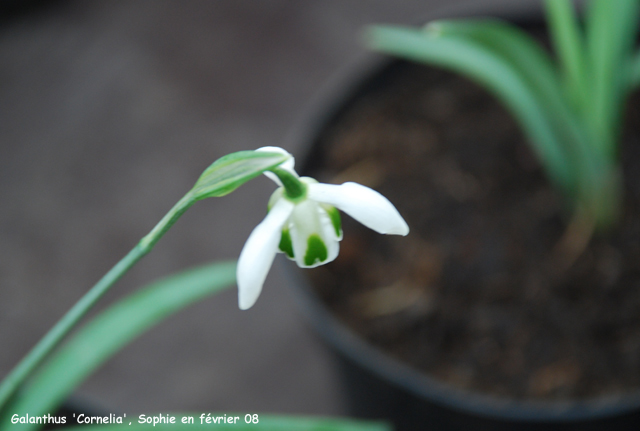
x: 109, y: 111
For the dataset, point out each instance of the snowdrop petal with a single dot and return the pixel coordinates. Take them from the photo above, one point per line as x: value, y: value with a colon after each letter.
x: 313, y: 236
x: 288, y: 165
x: 329, y: 234
x: 363, y: 204
x: 258, y: 253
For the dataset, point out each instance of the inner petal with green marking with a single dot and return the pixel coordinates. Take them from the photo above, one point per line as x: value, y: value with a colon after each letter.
x: 334, y: 215
x: 312, y: 233
x: 285, y: 245
x: 316, y: 251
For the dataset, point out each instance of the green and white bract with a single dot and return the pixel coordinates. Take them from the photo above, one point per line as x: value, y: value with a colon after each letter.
x: 307, y: 228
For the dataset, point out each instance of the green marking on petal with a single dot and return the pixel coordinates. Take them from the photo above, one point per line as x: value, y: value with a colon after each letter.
x: 286, y: 246
x: 316, y: 250
x: 334, y: 215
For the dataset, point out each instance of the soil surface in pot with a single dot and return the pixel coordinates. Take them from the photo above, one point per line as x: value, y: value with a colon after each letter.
x: 480, y: 294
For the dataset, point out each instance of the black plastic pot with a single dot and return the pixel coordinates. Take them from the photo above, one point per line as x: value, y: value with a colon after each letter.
x: 381, y: 387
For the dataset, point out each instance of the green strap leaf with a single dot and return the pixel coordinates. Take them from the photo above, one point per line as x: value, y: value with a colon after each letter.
x: 520, y: 73
x: 110, y: 331
x: 265, y: 423
x: 634, y: 79
x: 611, y: 29
x: 231, y: 171
x: 59, y: 331
x: 494, y: 72
x: 513, y: 46
x: 569, y: 44
x: 528, y: 59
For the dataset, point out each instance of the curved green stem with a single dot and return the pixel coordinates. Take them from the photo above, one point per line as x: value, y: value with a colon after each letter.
x: 45, y: 346
x: 295, y: 190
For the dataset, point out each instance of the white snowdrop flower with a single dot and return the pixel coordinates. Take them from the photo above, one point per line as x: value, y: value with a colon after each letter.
x: 303, y: 223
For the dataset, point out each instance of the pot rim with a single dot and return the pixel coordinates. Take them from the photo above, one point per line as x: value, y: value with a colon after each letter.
x: 332, y: 99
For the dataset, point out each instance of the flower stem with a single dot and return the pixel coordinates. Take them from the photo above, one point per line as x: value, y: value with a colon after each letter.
x: 52, y: 339
x: 295, y: 189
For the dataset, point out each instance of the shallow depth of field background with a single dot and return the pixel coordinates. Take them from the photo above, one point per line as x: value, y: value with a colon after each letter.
x: 109, y: 111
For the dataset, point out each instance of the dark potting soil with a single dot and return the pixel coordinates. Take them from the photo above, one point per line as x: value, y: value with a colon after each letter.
x: 479, y: 294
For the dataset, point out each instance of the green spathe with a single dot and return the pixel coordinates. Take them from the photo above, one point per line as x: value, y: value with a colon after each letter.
x: 231, y: 171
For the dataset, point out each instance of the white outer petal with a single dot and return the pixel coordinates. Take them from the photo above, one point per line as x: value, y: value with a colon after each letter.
x: 288, y: 164
x: 258, y: 253
x: 363, y: 204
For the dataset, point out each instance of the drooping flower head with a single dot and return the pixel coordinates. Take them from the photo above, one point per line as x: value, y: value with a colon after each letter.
x: 304, y: 223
